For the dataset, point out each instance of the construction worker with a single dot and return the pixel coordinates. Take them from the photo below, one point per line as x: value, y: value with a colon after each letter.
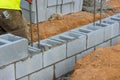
x: 11, y: 19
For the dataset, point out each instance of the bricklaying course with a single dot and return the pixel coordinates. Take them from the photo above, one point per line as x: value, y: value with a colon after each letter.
x: 76, y: 42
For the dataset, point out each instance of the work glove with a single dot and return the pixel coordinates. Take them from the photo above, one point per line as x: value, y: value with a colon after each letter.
x: 29, y: 1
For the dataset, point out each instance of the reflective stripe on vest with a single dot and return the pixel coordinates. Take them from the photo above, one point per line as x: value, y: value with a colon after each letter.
x: 10, y: 4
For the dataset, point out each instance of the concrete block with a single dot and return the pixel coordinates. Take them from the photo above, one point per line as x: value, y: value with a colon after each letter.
x: 67, y: 1
x: 53, y: 51
x: 81, y: 5
x: 105, y: 44
x: 54, y: 55
x: 115, y: 17
x: 76, y: 42
x: 28, y: 66
x: 41, y: 4
x: 111, y: 28
x: 92, y: 33
x: 59, y: 2
x: 116, y: 27
x: 108, y: 26
x: 115, y: 40
x: 44, y: 74
x: 7, y: 73
x: 12, y: 48
x: 67, y: 8
x: 67, y: 66
x: 33, y: 50
x: 25, y: 78
x: 41, y: 10
x: 25, y: 5
x: 78, y: 5
x: 52, y: 2
x: 81, y: 55
x: 77, y: 45
x: 50, y: 11
x: 115, y: 30
x: 59, y: 9
x: 27, y: 16
x: 93, y: 38
x: 41, y: 13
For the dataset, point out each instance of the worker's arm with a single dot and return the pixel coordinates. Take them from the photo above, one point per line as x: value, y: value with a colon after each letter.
x: 30, y: 1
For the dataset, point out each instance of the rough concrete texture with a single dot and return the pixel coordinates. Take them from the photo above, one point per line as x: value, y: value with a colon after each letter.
x: 45, y: 74
x: 25, y: 78
x: 45, y: 8
x: 105, y: 44
x: 7, y: 73
x: 82, y: 54
x: 28, y: 66
x: 78, y: 45
x: 12, y: 48
x: 50, y: 56
x: 115, y: 40
x: 92, y: 33
x: 64, y: 67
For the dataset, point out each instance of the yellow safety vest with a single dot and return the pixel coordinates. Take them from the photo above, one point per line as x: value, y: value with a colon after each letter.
x: 10, y: 4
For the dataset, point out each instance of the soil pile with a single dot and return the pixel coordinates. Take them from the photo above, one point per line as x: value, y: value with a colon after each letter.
x: 70, y: 21
x: 114, y: 5
x: 67, y: 22
x: 102, y: 64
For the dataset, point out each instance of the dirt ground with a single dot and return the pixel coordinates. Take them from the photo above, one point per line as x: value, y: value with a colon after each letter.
x: 102, y: 64
x: 67, y: 22
x: 70, y: 21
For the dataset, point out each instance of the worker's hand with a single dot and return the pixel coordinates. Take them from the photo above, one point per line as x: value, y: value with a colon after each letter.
x: 30, y: 1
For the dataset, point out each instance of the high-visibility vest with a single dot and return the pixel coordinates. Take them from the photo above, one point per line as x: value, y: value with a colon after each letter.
x: 10, y: 4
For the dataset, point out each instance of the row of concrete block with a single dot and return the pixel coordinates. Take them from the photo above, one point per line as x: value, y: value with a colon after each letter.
x: 31, y: 69
x: 63, y: 49
x: 82, y: 38
x: 48, y: 7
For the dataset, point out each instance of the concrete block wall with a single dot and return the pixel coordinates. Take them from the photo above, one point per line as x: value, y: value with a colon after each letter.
x: 48, y: 7
x: 58, y: 54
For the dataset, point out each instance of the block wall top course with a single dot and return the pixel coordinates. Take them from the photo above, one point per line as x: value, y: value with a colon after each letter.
x: 8, y: 40
x: 12, y: 49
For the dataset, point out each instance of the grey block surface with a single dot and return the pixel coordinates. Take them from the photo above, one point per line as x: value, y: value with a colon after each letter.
x: 45, y: 74
x: 81, y: 55
x: 76, y: 46
x: 51, y: 2
x: 7, y: 73
x: 28, y: 66
x: 67, y: 1
x: 64, y: 67
x: 115, y: 40
x: 67, y: 8
x: 25, y: 78
x: 54, y: 55
x: 14, y: 49
x: 92, y: 33
x: 105, y: 44
x: 50, y: 11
